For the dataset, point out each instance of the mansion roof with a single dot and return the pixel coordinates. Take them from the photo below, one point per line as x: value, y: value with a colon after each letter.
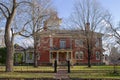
x: 68, y: 33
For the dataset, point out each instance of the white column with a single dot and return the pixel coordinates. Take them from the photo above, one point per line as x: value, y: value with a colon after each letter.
x: 50, y: 59
x: 71, y: 55
x: 72, y: 62
x: 67, y: 56
x: 23, y: 57
x: 51, y: 41
x: 57, y: 56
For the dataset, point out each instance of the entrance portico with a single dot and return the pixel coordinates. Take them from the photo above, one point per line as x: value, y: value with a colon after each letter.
x: 61, y: 56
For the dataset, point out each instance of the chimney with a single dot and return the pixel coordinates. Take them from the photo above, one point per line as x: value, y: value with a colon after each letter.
x: 45, y: 25
x: 87, y: 26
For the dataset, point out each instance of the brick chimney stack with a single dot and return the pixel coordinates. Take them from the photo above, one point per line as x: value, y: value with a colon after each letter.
x: 87, y: 26
x: 45, y: 26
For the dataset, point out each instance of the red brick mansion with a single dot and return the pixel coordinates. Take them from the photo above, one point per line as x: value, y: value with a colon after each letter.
x: 64, y: 45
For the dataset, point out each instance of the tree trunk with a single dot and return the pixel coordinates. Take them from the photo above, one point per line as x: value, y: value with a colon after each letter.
x: 35, y: 51
x: 89, y: 58
x: 87, y: 32
x: 89, y: 52
x: 9, y: 46
x: 9, y: 39
x: 10, y: 59
x: 35, y: 59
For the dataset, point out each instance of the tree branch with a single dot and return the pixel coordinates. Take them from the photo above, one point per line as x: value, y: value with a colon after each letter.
x: 39, y: 30
x: 3, y: 10
x: 25, y: 35
x: 23, y: 29
x: 24, y: 2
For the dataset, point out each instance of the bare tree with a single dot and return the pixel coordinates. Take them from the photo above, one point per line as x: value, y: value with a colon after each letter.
x: 8, y: 9
x: 114, y: 56
x: 113, y: 30
x: 88, y: 16
x: 9, y: 15
x: 42, y: 16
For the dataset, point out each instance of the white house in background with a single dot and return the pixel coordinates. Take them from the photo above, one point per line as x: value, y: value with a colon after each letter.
x: 22, y: 55
x: 106, y: 59
x: 29, y: 55
x: 114, y: 57
x: 2, y: 43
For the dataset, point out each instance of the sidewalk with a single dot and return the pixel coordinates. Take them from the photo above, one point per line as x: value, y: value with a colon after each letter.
x: 62, y: 73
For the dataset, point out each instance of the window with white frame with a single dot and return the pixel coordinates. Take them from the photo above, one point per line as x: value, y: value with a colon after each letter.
x: 97, y: 55
x: 62, y: 44
x: 30, y: 56
x: 78, y: 42
x: 79, y: 55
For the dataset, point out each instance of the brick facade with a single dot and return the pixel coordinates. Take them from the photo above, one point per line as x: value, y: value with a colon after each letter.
x: 64, y: 45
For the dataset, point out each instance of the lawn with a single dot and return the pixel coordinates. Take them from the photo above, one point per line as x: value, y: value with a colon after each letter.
x: 105, y: 72
x: 94, y: 68
x: 30, y: 68
x: 97, y: 72
x: 25, y: 75
x: 28, y: 72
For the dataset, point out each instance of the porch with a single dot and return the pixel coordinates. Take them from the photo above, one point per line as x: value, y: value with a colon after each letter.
x: 62, y: 56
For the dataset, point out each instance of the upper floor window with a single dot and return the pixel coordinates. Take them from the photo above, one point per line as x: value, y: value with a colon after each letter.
x: 62, y: 44
x: 79, y: 55
x: 97, y: 55
x: 78, y: 42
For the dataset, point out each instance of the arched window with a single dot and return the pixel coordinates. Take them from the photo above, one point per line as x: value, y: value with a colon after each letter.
x: 97, y: 55
x: 76, y: 55
x: 79, y: 55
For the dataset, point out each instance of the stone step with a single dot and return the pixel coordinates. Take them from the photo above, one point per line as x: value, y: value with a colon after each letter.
x: 62, y: 72
x: 60, y: 76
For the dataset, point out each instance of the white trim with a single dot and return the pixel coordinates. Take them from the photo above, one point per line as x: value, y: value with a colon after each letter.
x: 67, y: 56
x: 97, y: 53
x: 62, y: 44
x: 57, y: 56
x: 28, y: 60
x: 79, y: 55
x: 51, y: 42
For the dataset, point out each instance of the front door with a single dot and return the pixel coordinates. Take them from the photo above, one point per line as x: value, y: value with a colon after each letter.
x: 62, y: 58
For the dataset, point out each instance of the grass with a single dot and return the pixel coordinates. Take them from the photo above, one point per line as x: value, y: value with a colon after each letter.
x: 98, y: 72
x: 94, y: 75
x: 95, y: 72
x: 25, y: 75
x: 30, y: 68
x: 94, y: 68
x: 28, y: 72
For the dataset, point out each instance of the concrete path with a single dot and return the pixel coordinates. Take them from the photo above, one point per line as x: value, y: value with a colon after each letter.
x: 62, y: 74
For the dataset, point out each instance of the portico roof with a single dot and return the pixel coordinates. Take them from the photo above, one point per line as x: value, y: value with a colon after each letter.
x: 61, y: 50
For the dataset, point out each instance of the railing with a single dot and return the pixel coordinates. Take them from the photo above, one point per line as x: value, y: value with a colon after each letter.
x: 57, y: 48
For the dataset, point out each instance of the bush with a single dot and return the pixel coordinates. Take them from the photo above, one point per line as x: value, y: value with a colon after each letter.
x: 3, y: 54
